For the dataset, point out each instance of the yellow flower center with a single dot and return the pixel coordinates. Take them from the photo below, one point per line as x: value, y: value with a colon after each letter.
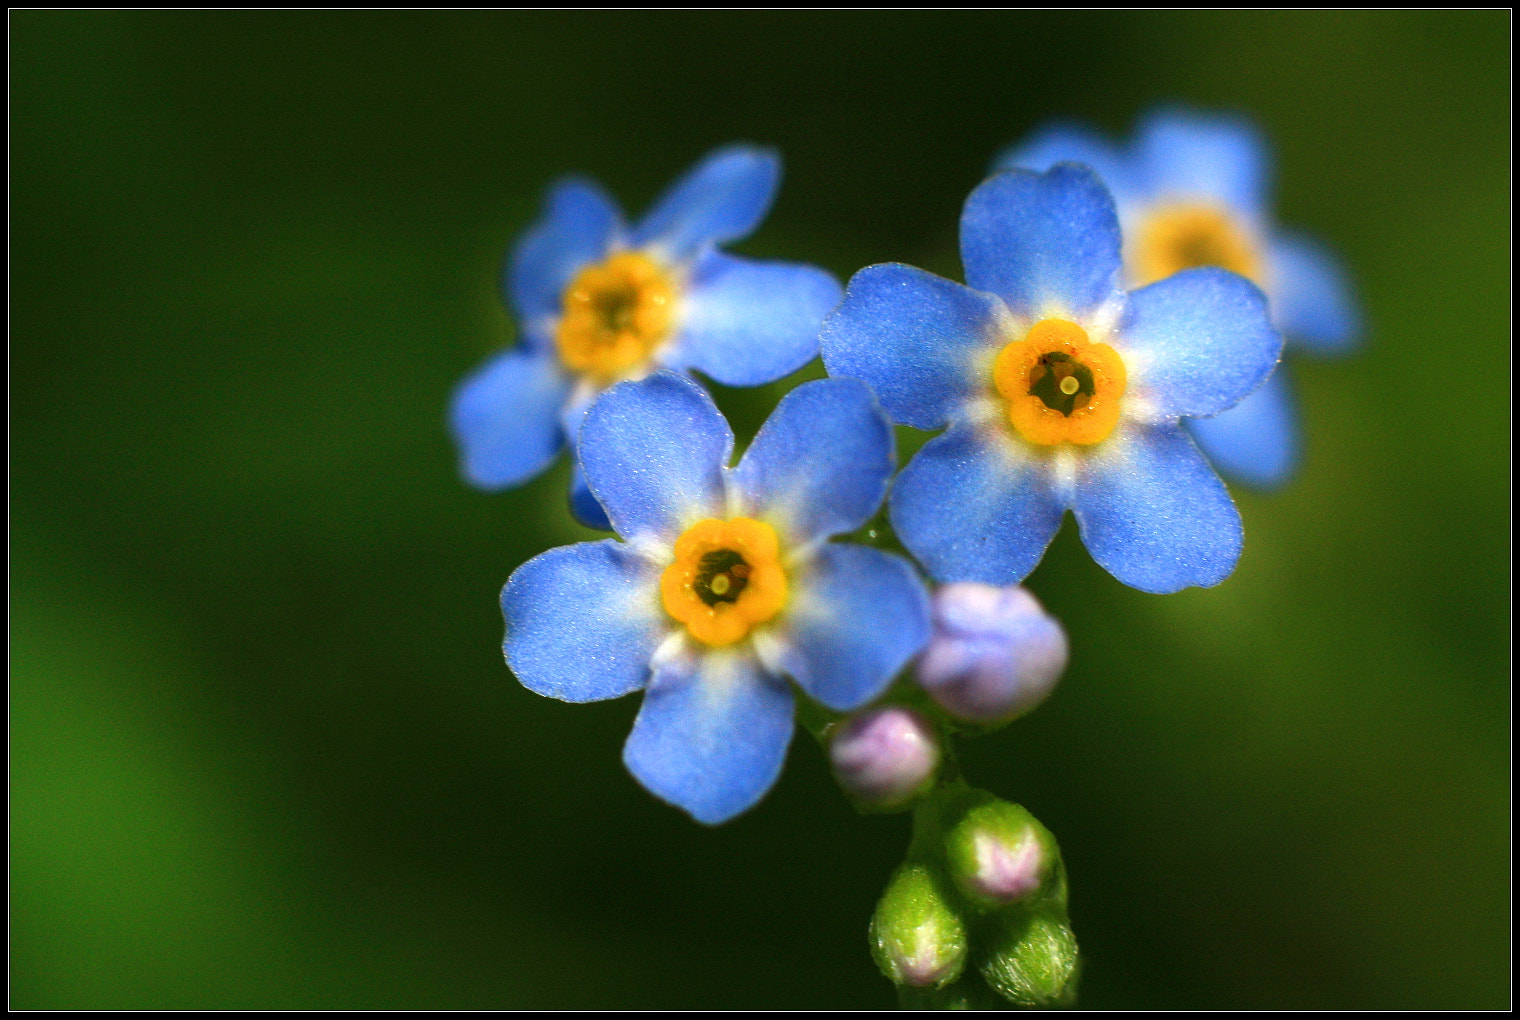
x: 1060, y: 386
x: 726, y: 579
x: 616, y: 312
x: 1185, y: 235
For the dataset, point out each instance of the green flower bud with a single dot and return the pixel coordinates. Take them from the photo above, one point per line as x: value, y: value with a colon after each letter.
x: 917, y: 938
x: 998, y: 853
x: 1031, y: 957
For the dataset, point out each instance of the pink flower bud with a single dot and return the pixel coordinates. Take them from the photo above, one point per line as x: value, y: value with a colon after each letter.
x: 995, y: 652
x: 884, y: 757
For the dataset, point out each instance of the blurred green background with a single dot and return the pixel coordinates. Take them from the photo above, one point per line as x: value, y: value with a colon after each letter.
x: 263, y: 747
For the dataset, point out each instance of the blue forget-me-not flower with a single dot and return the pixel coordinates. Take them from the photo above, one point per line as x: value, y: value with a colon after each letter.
x: 597, y: 302
x: 1192, y: 190
x: 724, y: 583
x: 1060, y: 390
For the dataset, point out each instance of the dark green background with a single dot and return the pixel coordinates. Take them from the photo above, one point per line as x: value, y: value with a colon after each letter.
x: 263, y: 748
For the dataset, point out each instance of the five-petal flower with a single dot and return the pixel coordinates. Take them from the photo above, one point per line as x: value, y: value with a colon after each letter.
x: 598, y: 302
x: 1192, y: 191
x: 1061, y: 390
x: 724, y: 584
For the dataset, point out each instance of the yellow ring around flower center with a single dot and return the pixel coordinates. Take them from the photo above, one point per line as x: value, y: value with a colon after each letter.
x: 1183, y: 235
x: 726, y: 579
x: 615, y: 313
x: 1060, y: 387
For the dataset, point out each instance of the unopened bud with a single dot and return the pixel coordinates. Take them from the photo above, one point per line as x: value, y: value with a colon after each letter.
x: 999, y: 853
x: 995, y: 652
x: 916, y: 938
x: 885, y: 757
x: 1031, y: 958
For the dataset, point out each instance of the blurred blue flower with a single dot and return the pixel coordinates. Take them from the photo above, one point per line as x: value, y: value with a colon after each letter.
x: 1191, y: 191
x: 1060, y: 389
x: 724, y: 584
x: 597, y: 302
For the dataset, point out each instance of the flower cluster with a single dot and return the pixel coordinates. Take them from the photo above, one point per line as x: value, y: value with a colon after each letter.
x: 1120, y: 308
x: 1108, y: 315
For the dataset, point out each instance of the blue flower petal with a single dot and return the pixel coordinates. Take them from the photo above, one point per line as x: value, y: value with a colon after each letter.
x: 712, y: 733
x: 857, y: 615
x: 583, y: 502
x: 819, y: 465
x: 923, y: 342
x: 1154, y: 514
x: 1257, y: 440
x: 583, y: 620
x: 584, y: 505
x: 654, y: 452
x: 1072, y: 143
x: 505, y: 418
x: 745, y: 323
x: 972, y: 505
x: 720, y: 199
x: 580, y: 225
x: 1192, y: 155
x: 1197, y: 342
x: 1311, y: 296
x: 1048, y: 244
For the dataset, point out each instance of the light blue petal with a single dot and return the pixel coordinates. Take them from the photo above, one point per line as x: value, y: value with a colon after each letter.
x: 1073, y: 143
x: 580, y: 225
x: 923, y: 342
x: 972, y: 505
x: 1154, y: 514
x: 1042, y: 241
x: 1257, y: 440
x: 1192, y: 155
x: 1311, y: 297
x: 712, y: 733
x: 505, y: 418
x: 583, y: 620
x: 856, y: 617
x: 722, y: 198
x: 654, y: 452
x: 745, y: 323
x: 1198, y: 341
x: 820, y: 464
